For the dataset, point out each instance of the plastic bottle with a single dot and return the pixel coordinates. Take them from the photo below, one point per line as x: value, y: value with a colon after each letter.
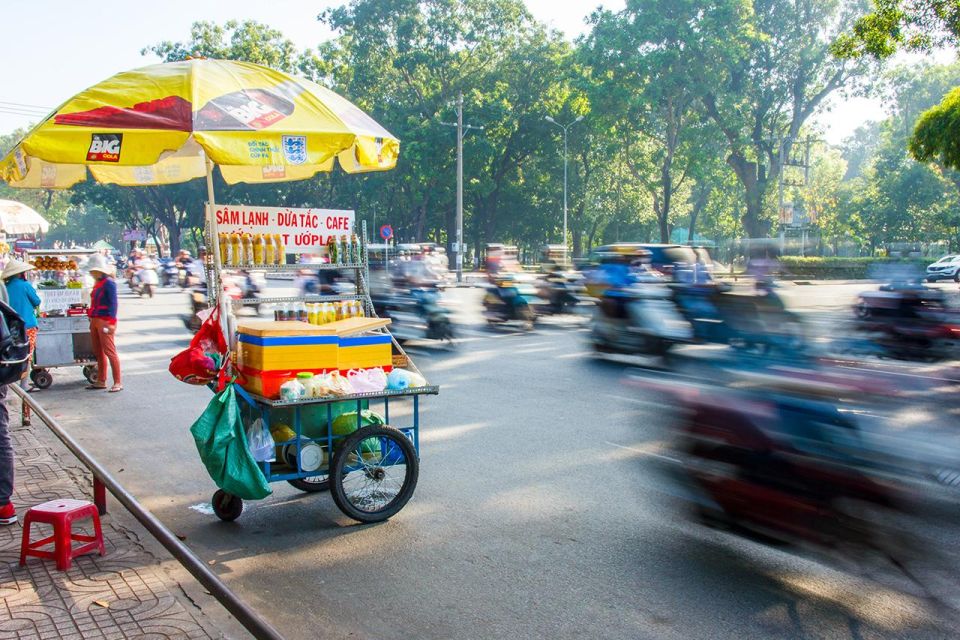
x: 280, y: 249
x: 305, y: 378
x: 269, y: 251
x: 292, y: 390
x: 328, y: 314
x: 247, y: 242
x: 355, y: 256
x: 347, y: 250
x: 235, y: 258
x: 302, y: 312
x: 257, y: 249
x: 332, y: 250
x: 224, y: 243
x: 360, y: 311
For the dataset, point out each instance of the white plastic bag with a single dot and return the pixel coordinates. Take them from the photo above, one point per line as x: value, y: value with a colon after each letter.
x: 367, y: 380
x: 260, y: 442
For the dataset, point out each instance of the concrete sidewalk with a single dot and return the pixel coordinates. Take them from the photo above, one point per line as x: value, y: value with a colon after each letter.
x: 128, y: 593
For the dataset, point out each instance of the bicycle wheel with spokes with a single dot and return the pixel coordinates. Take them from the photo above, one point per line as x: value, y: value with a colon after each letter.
x: 374, y: 473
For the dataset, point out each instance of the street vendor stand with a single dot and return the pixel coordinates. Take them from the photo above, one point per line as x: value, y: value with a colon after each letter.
x: 63, y: 339
x: 371, y: 470
x: 170, y: 123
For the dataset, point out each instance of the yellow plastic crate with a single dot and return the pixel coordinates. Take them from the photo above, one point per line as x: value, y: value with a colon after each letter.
x: 288, y: 352
x: 363, y: 352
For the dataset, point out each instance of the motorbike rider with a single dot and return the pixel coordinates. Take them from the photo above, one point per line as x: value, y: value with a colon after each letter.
x: 196, y: 270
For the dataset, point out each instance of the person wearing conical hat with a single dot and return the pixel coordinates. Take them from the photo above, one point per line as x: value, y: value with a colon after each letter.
x: 103, y: 322
x: 23, y: 298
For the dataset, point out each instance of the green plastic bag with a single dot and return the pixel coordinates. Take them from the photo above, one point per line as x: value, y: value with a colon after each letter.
x: 222, y: 444
x: 345, y: 424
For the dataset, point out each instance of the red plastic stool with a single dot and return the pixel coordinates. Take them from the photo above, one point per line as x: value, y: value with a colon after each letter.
x: 61, y: 514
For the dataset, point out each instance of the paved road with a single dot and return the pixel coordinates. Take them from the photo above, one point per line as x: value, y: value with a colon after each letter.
x: 539, y: 512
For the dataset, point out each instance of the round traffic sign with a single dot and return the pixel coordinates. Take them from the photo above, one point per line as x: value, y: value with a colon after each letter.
x: 386, y: 232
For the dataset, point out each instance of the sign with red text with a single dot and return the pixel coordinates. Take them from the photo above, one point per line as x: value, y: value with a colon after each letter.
x: 302, y: 230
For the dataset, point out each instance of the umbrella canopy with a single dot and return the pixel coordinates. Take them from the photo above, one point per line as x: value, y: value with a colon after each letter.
x: 159, y: 125
x: 100, y: 245
x: 16, y: 218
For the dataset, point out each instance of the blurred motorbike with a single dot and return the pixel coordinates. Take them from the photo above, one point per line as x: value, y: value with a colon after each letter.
x: 144, y: 280
x: 908, y: 321
x: 512, y: 298
x: 640, y: 319
x: 169, y: 272
x: 756, y: 322
x: 238, y: 287
x: 323, y: 282
x: 562, y: 292
x: 416, y: 314
x: 783, y: 463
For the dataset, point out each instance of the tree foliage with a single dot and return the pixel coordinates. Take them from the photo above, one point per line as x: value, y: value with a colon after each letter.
x: 689, y: 110
x: 914, y: 25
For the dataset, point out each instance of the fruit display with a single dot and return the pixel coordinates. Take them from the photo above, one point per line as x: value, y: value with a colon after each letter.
x: 54, y: 263
x: 57, y: 271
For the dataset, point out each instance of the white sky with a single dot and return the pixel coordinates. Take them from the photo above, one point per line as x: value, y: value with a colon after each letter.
x: 56, y: 48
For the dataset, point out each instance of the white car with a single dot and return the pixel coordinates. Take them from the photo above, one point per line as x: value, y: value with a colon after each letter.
x: 947, y: 267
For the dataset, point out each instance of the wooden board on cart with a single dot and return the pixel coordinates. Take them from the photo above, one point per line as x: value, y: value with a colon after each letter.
x: 346, y: 327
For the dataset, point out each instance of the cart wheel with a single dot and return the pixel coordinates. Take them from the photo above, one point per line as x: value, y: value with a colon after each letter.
x: 90, y: 373
x: 41, y: 378
x: 374, y: 473
x: 227, y: 507
x: 314, y: 484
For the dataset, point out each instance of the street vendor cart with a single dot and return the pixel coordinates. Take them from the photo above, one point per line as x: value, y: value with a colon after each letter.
x: 362, y: 447
x: 63, y: 338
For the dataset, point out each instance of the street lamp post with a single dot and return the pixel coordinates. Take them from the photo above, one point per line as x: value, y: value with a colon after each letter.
x: 564, y: 127
x: 460, y: 129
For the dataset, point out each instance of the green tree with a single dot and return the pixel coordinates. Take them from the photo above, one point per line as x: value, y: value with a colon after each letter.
x: 767, y: 69
x: 645, y: 86
x: 915, y: 25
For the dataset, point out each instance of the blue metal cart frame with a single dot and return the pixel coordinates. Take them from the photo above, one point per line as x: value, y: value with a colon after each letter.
x: 228, y: 507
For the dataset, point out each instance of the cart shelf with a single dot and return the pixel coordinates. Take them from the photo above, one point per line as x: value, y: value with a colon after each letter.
x: 285, y: 299
x: 291, y: 267
x: 386, y: 393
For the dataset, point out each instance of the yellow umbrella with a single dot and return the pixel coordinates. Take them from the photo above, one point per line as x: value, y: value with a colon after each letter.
x: 170, y: 123
x: 158, y: 124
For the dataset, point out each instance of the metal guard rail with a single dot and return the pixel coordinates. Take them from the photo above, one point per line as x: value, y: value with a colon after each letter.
x: 246, y: 616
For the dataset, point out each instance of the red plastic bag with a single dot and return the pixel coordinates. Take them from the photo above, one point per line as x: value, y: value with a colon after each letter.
x: 194, y: 365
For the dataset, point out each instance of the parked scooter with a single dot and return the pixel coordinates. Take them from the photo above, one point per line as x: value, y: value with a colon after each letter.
x: 512, y: 298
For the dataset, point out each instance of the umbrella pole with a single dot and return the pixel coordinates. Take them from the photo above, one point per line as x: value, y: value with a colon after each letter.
x: 215, y: 249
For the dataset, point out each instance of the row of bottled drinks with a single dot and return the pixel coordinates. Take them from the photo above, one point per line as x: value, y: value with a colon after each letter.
x: 267, y: 250
x: 319, y: 312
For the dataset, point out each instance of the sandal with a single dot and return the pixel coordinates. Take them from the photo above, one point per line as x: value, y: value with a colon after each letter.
x: 115, y: 388
x: 95, y: 386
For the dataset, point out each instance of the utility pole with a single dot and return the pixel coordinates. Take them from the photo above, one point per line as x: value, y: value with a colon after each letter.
x: 564, y: 127
x: 460, y: 129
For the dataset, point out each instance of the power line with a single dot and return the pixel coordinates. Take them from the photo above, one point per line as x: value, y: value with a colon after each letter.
x: 21, y: 105
x: 17, y: 112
